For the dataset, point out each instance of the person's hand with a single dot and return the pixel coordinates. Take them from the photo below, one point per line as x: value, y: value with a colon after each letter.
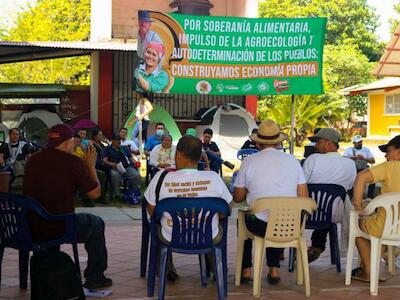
x: 140, y: 117
x: 114, y: 166
x: 91, y: 157
x: 358, y: 207
x: 360, y: 157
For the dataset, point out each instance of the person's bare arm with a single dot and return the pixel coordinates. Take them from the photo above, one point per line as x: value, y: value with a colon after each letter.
x: 1, y: 159
x: 204, y: 157
x: 90, y: 159
x: 302, y: 190
x: 362, y: 178
x: 109, y: 163
x: 150, y: 209
x: 239, y: 194
x: 148, y: 110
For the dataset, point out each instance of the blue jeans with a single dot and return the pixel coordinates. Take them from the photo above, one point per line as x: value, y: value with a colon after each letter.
x: 90, y: 231
x: 135, y: 132
x: 215, y: 161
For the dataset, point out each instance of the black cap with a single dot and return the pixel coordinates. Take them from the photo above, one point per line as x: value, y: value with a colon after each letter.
x: 393, y: 142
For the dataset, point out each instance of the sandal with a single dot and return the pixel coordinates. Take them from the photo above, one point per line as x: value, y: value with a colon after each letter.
x: 356, y: 274
x: 273, y: 280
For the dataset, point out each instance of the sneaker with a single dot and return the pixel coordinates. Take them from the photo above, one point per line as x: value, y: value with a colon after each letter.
x: 229, y: 165
x: 98, y: 283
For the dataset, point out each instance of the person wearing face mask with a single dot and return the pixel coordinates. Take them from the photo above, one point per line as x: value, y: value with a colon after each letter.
x: 155, y: 139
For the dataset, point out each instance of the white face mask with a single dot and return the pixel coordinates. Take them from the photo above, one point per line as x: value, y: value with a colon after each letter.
x: 160, y: 132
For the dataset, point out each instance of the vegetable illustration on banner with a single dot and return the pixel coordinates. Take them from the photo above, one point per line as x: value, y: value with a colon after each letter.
x: 187, y: 54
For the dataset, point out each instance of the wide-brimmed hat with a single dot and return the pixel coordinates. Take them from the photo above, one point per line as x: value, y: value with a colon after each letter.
x: 268, y: 133
x: 393, y: 142
x: 58, y: 134
x: 329, y: 134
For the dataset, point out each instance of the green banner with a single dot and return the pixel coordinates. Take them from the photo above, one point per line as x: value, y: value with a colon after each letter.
x: 187, y: 54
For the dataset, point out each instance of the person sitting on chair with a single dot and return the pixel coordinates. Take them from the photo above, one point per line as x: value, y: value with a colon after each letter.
x: 267, y: 173
x: 209, y: 184
x: 163, y: 156
x: 249, y: 144
x: 53, y: 177
x: 213, y: 153
x: 388, y: 173
x: 328, y: 167
x: 155, y: 139
x: 119, y: 163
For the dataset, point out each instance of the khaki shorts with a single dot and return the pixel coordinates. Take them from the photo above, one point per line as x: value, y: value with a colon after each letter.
x: 374, y: 223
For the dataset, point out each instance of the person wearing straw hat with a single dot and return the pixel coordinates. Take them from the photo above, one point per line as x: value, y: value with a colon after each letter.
x: 268, y: 173
x: 329, y: 167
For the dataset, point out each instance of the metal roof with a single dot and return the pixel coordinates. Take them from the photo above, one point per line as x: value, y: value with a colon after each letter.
x: 389, y: 63
x: 20, y: 90
x: 24, y: 51
x: 387, y: 84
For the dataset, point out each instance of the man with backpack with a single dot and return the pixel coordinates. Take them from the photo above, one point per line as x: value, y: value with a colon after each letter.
x: 53, y: 177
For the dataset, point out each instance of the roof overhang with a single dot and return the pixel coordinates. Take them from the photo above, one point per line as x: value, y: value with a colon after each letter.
x: 389, y: 63
x: 387, y: 84
x: 11, y: 52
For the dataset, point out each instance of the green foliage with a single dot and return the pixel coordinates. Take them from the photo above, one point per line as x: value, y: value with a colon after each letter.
x: 50, y: 20
x: 349, y: 22
x: 395, y: 22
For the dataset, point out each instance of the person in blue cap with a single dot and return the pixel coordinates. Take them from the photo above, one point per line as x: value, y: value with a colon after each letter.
x: 145, y: 35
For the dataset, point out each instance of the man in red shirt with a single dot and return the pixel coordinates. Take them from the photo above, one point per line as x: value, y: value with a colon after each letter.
x: 53, y: 177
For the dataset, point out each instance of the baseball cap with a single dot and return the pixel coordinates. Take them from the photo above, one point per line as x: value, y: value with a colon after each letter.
x: 357, y: 138
x: 145, y: 15
x: 329, y: 134
x: 191, y: 131
x: 393, y: 142
x: 58, y: 134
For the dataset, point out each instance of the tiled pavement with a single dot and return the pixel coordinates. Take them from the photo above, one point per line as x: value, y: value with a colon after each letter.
x: 123, y: 233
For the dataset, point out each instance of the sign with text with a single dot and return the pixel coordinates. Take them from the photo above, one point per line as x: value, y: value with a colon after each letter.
x: 187, y: 54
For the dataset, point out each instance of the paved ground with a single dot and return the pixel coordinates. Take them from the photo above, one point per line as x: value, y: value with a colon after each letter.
x: 123, y: 233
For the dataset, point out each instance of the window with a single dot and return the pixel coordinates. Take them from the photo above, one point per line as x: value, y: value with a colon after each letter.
x: 392, y: 104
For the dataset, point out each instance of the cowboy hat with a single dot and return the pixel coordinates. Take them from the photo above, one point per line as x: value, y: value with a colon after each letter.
x: 268, y: 133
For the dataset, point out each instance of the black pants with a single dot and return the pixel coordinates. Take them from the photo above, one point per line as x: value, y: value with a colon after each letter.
x: 318, y: 238
x: 258, y: 227
x: 90, y: 231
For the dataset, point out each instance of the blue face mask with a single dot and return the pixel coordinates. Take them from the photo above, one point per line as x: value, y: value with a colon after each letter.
x: 160, y: 132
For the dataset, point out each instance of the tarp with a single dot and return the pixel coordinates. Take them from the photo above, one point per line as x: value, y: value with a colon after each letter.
x: 230, y: 55
x: 159, y: 114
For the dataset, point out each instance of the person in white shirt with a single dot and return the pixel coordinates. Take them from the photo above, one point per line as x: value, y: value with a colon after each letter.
x: 192, y: 183
x: 163, y: 156
x: 362, y: 157
x: 328, y: 167
x: 123, y: 134
x: 268, y: 173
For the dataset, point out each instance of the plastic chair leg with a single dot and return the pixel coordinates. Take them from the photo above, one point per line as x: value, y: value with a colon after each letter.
x: 334, y: 243
x: 306, y: 271
x: 76, y: 258
x: 375, y: 265
x: 258, y: 265
x: 144, y: 250
x: 225, y: 268
x: 164, y: 253
x: 1, y: 260
x: 239, y: 260
x: 219, y: 272
x: 349, y: 260
x: 292, y: 259
x: 391, y: 260
x: 23, y: 269
x: 202, y: 261
x: 299, y: 266
x: 151, y: 279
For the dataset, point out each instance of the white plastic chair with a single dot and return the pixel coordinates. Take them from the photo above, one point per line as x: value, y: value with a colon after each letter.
x: 390, y: 237
x: 285, y: 229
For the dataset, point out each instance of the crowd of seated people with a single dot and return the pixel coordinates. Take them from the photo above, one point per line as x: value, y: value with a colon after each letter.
x: 268, y: 173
